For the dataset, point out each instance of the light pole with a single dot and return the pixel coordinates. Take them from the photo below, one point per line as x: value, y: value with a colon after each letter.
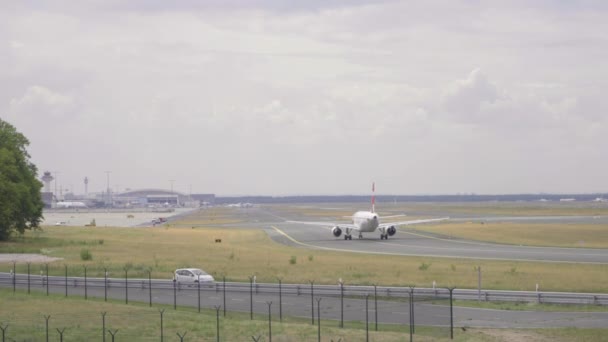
x: 108, y: 186
x: 171, y: 181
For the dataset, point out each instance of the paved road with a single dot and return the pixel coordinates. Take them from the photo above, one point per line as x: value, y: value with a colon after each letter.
x: 410, y: 242
x: 391, y: 312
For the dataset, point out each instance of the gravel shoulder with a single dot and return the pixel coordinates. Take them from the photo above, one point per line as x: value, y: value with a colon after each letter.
x: 26, y: 257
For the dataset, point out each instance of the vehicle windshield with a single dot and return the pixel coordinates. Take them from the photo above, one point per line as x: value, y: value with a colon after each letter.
x: 198, y: 272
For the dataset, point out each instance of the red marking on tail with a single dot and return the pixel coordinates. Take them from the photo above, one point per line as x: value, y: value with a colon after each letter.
x: 373, y: 197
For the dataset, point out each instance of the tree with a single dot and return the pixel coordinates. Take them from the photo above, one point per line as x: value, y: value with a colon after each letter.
x: 20, y: 201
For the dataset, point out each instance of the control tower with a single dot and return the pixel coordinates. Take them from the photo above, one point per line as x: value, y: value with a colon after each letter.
x: 47, y: 178
x: 86, y: 186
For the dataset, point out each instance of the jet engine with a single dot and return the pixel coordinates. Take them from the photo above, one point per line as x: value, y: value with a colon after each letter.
x: 391, y: 230
x: 336, y: 231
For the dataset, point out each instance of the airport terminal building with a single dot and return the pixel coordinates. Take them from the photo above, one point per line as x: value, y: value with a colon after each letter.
x: 160, y: 197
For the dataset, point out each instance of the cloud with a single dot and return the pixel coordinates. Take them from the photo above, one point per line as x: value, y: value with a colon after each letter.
x: 464, y: 100
x: 39, y: 101
x: 246, y: 97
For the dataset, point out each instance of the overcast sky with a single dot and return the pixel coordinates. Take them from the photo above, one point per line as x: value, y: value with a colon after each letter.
x: 269, y: 97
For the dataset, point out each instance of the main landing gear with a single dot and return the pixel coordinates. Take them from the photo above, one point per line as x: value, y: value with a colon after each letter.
x: 347, y: 235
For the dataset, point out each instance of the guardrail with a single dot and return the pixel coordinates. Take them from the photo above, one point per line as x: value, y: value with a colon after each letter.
x: 385, y: 292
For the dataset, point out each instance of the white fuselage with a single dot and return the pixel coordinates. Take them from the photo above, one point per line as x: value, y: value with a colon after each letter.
x: 366, y: 221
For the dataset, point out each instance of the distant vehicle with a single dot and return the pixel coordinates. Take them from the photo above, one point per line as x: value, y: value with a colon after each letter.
x: 67, y: 205
x: 192, y: 276
x: 60, y: 223
x: 367, y: 222
x: 159, y: 220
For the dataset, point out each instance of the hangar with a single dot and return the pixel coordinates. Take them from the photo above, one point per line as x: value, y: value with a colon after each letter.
x: 160, y: 197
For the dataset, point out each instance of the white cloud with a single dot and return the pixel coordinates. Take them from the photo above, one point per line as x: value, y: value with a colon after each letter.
x: 268, y: 98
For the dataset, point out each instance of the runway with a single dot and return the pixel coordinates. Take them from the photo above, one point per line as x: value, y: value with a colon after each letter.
x: 410, y: 242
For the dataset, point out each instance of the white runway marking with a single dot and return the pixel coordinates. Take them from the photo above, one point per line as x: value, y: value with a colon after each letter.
x: 429, y: 255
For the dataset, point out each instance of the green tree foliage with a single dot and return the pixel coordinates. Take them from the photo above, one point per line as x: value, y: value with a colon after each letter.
x: 20, y: 201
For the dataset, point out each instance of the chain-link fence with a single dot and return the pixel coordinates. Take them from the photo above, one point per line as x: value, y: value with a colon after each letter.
x: 368, y: 308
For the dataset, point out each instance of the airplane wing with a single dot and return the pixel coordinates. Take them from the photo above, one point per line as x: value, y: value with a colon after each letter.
x: 327, y: 224
x: 405, y: 223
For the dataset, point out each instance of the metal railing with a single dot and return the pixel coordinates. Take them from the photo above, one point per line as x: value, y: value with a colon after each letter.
x: 385, y: 292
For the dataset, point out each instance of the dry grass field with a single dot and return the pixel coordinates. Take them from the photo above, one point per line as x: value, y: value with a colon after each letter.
x: 529, y: 234
x: 23, y: 315
x: 467, y: 208
x: 243, y: 253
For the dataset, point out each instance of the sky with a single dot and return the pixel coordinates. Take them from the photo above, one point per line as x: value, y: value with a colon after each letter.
x: 268, y: 97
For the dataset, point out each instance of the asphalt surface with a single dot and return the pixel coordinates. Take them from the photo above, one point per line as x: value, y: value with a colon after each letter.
x: 410, y: 242
x: 426, y: 312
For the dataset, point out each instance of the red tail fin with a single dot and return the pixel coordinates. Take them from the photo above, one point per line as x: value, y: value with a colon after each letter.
x: 373, y: 197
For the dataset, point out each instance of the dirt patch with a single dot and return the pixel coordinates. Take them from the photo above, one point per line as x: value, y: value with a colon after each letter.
x: 26, y: 257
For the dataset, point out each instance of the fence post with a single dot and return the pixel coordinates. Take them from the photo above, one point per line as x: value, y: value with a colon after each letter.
x: 14, y: 274
x: 479, y: 283
x: 319, y: 319
x: 47, y: 279
x: 66, y: 280
x: 3, y: 328
x: 412, y: 312
x: 312, y: 302
x: 174, y: 294
x: 181, y: 337
x: 269, y: 322
x: 224, y: 292
x: 46, y: 318
x: 161, y: 324
x: 217, y: 322
x: 126, y: 285
x: 341, y: 304
x: 103, y: 326
x: 251, y: 297
x: 105, y: 284
x: 85, y: 282
x: 113, y: 333
x: 376, y: 306
x: 280, y: 302
x: 410, y: 315
x: 28, y: 278
x: 451, y: 314
x: 366, y: 318
x: 150, y: 287
x: 198, y: 284
x: 61, y: 334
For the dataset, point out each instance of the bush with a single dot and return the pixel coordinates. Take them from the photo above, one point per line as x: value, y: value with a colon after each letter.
x: 85, y: 254
x: 424, y: 266
x: 293, y: 260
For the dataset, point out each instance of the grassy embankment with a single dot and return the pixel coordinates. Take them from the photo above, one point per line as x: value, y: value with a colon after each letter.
x: 82, y: 320
x: 251, y: 252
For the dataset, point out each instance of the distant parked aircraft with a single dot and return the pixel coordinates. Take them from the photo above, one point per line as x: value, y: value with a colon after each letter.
x: 367, y: 222
x: 66, y: 205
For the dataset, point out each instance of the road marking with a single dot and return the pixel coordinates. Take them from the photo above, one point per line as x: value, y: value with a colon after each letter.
x: 500, y: 245
x: 516, y: 249
x: 429, y: 255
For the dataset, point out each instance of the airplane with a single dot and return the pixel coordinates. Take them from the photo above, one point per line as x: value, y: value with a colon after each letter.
x: 368, y: 222
x: 69, y: 205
